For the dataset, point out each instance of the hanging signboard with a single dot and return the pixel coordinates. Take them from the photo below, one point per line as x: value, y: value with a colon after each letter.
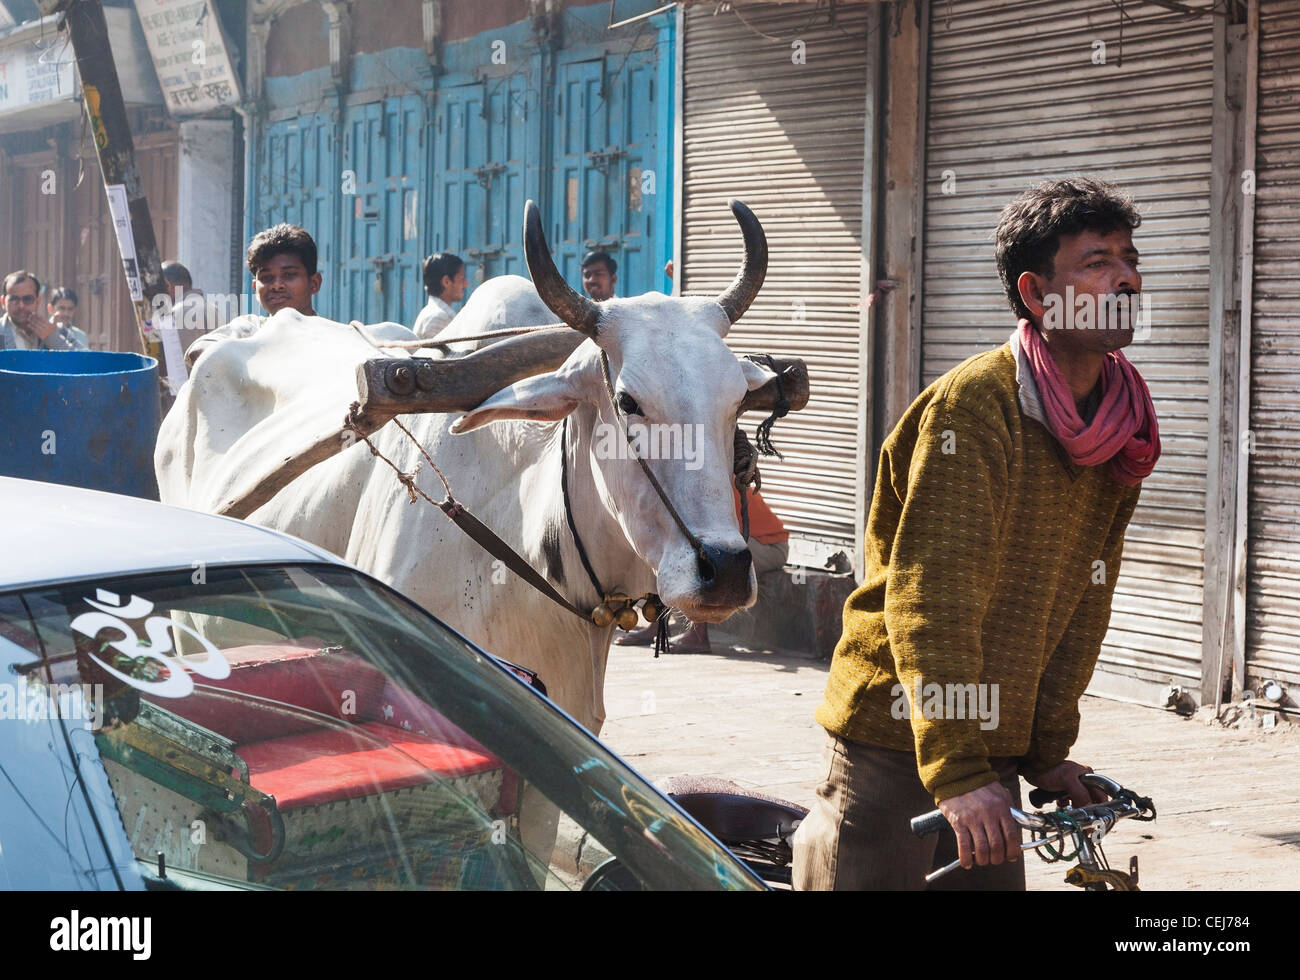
x: 190, y: 54
x: 32, y: 75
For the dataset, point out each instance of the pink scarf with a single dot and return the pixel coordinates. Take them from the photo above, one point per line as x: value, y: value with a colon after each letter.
x: 1124, y: 430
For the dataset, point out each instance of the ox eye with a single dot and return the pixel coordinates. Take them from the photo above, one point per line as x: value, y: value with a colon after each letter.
x: 627, y: 404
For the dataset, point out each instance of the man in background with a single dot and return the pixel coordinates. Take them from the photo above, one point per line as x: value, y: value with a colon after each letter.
x: 62, y: 310
x: 23, y: 327
x: 599, y: 275
x: 192, y: 314
x: 444, y: 281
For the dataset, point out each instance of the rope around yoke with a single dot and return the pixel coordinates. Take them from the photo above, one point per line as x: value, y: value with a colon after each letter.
x: 406, y: 480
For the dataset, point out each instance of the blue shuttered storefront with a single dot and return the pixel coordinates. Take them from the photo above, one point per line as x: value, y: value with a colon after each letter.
x: 405, y: 163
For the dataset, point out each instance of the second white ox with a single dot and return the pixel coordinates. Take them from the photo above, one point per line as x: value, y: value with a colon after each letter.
x: 668, y: 365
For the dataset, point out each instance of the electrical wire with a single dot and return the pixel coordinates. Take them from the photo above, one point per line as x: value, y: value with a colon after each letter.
x: 826, y: 7
x: 812, y: 18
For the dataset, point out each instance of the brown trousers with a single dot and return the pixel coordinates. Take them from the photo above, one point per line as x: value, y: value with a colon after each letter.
x: 858, y: 837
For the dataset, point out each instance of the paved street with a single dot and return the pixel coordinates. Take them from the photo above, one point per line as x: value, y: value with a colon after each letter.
x: 1227, y: 800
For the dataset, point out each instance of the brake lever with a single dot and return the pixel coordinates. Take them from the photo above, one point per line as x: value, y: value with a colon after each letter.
x: 1042, y: 797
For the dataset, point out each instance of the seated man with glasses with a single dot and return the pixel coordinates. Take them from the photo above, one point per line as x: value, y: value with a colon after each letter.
x: 23, y: 327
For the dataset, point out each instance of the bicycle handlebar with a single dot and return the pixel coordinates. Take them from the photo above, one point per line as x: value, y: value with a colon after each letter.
x: 934, y: 821
x: 1042, y: 797
x: 1085, y: 825
x: 1088, y: 817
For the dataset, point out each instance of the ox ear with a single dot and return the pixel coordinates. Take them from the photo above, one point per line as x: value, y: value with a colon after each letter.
x: 755, y: 374
x: 543, y: 398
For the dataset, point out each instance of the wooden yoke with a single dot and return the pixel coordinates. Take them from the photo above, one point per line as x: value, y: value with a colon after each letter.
x: 400, y: 386
x: 392, y: 386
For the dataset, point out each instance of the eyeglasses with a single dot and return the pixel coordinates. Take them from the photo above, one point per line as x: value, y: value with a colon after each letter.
x: 24, y: 300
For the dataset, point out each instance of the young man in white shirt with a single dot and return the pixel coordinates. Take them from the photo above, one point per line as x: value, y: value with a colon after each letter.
x: 444, y: 280
x: 282, y: 261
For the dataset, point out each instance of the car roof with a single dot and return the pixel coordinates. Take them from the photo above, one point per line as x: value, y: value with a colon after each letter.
x: 54, y: 533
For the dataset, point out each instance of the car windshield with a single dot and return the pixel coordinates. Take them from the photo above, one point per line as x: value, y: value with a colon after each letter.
x: 301, y: 727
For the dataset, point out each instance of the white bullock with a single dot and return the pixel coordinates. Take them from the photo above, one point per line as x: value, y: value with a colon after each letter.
x: 251, y: 398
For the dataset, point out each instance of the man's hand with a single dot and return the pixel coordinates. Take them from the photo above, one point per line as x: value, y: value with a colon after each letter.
x: 1064, y: 778
x: 981, y: 819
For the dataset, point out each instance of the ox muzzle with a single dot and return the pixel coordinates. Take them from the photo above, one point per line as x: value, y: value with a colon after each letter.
x: 724, y: 576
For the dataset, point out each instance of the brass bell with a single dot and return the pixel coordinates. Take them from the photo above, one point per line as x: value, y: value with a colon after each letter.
x: 602, y: 615
x: 651, y: 610
x: 626, y: 618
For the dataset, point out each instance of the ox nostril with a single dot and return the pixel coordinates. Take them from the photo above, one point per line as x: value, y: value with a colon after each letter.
x: 723, y: 571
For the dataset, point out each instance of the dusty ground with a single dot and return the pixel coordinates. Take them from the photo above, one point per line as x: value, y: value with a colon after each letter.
x: 1228, y: 800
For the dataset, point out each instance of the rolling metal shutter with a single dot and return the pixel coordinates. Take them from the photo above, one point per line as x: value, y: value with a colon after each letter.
x: 1273, y: 548
x: 1015, y: 97
x: 787, y: 139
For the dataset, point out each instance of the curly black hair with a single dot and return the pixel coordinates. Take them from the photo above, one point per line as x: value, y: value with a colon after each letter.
x: 279, y: 240
x: 1030, y: 229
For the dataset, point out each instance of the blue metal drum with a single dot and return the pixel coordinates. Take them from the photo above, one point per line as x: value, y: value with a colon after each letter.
x: 81, y: 418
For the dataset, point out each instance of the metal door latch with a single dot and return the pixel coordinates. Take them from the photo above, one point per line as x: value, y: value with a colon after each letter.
x: 601, y: 159
x: 381, y: 263
x: 487, y: 172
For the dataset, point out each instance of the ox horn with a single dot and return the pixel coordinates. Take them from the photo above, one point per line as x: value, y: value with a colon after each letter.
x: 737, y: 297
x: 563, y: 300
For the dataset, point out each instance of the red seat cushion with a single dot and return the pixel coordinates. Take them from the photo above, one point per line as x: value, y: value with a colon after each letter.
x: 294, y: 674
x: 402, y: 709
x: 338, y: 764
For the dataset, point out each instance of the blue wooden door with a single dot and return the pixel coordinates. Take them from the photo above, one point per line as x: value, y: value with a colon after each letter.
x: 513, y: 146
x: 380, y: 263
x: 484, y: 169
x: 604, y: 145
x: 298, y: 182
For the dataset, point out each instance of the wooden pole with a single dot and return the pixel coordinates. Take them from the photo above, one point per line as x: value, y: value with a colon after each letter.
x: 106, y: 112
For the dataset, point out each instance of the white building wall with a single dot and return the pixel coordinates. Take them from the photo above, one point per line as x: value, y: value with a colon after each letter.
x: 206, y: 199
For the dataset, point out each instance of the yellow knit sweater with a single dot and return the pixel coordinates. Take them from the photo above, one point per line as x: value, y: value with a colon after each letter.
x: 990, y: 559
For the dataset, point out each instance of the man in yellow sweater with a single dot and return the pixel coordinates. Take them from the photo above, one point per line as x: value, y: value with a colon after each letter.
x: 992, y: 548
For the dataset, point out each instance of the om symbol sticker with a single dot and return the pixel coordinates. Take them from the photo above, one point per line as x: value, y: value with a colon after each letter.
x: 178, y: 683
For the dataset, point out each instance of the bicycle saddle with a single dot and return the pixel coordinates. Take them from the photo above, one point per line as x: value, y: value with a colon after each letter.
x: 731, y: 812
